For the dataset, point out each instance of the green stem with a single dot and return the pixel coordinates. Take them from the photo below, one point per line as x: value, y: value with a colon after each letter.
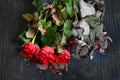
x: 46, y: 14
x: 54, y: 1
x: 33, y: 40
x: 76, y: 17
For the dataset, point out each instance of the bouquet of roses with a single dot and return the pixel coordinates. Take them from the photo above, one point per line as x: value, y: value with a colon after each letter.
x: 63, y: 29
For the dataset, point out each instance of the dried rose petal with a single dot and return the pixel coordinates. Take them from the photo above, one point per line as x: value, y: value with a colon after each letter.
x: 59, y: 69
x: 84, y: 51
x: 103, y: 45
x: 106, y: 43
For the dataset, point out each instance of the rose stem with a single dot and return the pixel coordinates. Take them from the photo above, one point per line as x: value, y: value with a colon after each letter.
x: 76, y: 17
x: 33, y: 40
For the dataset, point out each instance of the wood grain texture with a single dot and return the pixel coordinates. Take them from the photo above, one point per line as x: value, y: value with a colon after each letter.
x: 12, y: 66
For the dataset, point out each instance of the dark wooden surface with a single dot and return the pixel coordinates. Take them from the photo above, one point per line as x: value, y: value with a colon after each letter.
x: 12, y: 66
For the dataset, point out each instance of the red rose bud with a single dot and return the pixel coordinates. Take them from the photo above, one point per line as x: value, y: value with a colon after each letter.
x: 63, y: 58
x: 29, y: 50
x: 47, y: 55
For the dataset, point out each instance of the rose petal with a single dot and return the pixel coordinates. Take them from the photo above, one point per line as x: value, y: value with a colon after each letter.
x: 84, y: 51
x: 104, y: 44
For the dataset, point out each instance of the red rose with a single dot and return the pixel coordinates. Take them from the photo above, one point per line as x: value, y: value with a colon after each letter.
x: 29, y: 50
x: 63, y: 58
x: 47, y: 55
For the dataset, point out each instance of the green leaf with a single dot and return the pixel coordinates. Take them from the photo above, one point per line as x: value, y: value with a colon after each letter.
x: 23, y: 38
x: 69, y: 6
x: 77, y: 6
x: 64, y: 13
x: 43, y: 22
x: 67, y: 30
x: 51, y: 37
x: 40, y: 8
x: 48, y: 24
x: 36, y: 3
x: 45, y: 39
x: 27, y: 61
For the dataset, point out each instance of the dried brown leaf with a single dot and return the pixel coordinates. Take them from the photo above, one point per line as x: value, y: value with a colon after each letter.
x: 84, y: 51
x: 36, y: 16
x: 30, y: 33
x: 57, y: 18
x: 55, y: 14
x: 28, y: 17
x: 41, y: 28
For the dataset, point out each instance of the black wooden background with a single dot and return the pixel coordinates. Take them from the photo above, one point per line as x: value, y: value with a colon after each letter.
x: 12, y: 66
